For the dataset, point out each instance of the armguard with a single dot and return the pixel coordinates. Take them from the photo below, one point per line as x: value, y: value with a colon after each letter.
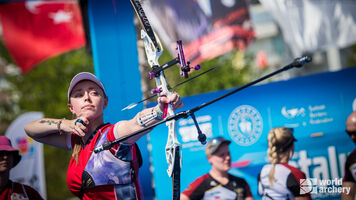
x: 155, y: 113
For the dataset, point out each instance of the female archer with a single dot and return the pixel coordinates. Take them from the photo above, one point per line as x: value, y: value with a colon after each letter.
x: 111, y: 174
x: 279, y: 180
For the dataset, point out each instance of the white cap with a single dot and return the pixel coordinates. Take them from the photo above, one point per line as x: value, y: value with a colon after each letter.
x: 214, y: 144
x: 84, y: 76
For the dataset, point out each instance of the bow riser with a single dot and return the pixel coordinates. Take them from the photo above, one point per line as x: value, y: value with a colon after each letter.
x: 172, y: 144
x: 153, y: 55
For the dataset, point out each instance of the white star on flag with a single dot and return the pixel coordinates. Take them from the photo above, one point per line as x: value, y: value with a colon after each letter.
x: 46, y: 28
x: 32, y: 6
x: 61, y: 17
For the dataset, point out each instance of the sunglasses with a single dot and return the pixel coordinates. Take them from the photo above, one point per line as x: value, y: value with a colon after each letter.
x: 7, y: 153
x: 216, y: 140
x: 350, y: 133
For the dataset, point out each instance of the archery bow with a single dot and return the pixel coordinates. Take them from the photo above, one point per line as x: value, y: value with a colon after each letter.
x: 132, y: 105
x: 154, y: 49
x: 297, y: 63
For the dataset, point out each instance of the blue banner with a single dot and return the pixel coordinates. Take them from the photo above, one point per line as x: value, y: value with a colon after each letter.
x: 316, y: 106
x: 115, y: 56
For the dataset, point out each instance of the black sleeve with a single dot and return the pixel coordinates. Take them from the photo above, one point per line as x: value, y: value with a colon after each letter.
x: 197, y: 194
x: 349, y: 162
x: 293, y: 185
x: 196, y: 189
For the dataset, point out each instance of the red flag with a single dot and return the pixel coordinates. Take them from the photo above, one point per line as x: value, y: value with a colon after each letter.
x: 34, y: 30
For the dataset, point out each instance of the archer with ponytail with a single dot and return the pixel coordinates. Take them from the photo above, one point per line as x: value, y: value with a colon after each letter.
x: 111, y: 174
x: 278, y: 180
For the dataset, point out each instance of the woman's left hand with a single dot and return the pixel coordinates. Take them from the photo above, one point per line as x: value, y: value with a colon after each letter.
x: 174, y: 100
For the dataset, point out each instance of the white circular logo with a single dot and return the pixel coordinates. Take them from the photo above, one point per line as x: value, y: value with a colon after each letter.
x: 245, y: 125
x: 306, y: 186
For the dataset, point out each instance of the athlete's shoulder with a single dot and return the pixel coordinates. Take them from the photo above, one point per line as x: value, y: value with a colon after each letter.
x: 299, y: 174
x: 352, y: 155
x: 202, y: 178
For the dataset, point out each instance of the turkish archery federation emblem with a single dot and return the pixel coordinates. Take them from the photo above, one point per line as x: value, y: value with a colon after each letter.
x: 245, y: 125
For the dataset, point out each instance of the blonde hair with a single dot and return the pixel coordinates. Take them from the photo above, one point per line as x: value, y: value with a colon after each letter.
x: 77, y: 147
x: 78, y: 143
x: 280, y: 139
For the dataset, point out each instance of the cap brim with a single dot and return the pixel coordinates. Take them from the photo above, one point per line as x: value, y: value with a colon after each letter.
x: 81, y: 77
x: 7, y: 148
x: 216, y: 148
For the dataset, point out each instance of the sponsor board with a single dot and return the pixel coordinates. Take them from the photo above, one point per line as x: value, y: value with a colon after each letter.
x: 315, y: 106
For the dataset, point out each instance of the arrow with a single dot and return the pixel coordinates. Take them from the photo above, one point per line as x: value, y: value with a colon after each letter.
x: 132, y: 105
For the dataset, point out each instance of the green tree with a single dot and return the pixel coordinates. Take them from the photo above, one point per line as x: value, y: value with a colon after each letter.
x: 44, y: 89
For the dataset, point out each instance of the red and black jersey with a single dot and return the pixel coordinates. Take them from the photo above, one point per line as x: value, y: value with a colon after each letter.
x: 286, y: 184
x: 110, y: 191
x: 206, y: 187
x: 350, y: 168
x: 13, y: 190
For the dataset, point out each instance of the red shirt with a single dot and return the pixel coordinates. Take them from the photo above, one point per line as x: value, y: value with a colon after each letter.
x: 75, y: 171
x: 350, y: 167
x: 16, y: 189
x: 206, y: 187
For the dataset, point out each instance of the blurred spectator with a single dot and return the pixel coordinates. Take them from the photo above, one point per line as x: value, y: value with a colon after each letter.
x: 278, y: 180
x: 218, y: 183
x: 9, y: 158
x: 350, y: 166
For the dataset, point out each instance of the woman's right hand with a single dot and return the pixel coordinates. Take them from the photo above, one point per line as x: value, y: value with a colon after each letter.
x: 75, y: 126
x: 174, y: 100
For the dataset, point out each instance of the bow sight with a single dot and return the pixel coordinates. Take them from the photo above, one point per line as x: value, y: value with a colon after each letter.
x: 184, y: 66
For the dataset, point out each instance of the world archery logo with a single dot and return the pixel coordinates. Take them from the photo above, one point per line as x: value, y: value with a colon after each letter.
x: 306, y: 185
x: 245, y: 125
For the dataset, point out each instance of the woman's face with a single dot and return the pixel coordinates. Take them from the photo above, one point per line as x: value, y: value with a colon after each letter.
x: 221, y: 160
x: 87, y: 100
x: 6, y: 161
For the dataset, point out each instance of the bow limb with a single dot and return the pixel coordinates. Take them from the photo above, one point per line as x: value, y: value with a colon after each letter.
x: 172, y: 145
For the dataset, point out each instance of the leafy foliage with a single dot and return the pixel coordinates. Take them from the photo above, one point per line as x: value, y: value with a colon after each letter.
x: 351, y: 61
x: 44, y: 89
